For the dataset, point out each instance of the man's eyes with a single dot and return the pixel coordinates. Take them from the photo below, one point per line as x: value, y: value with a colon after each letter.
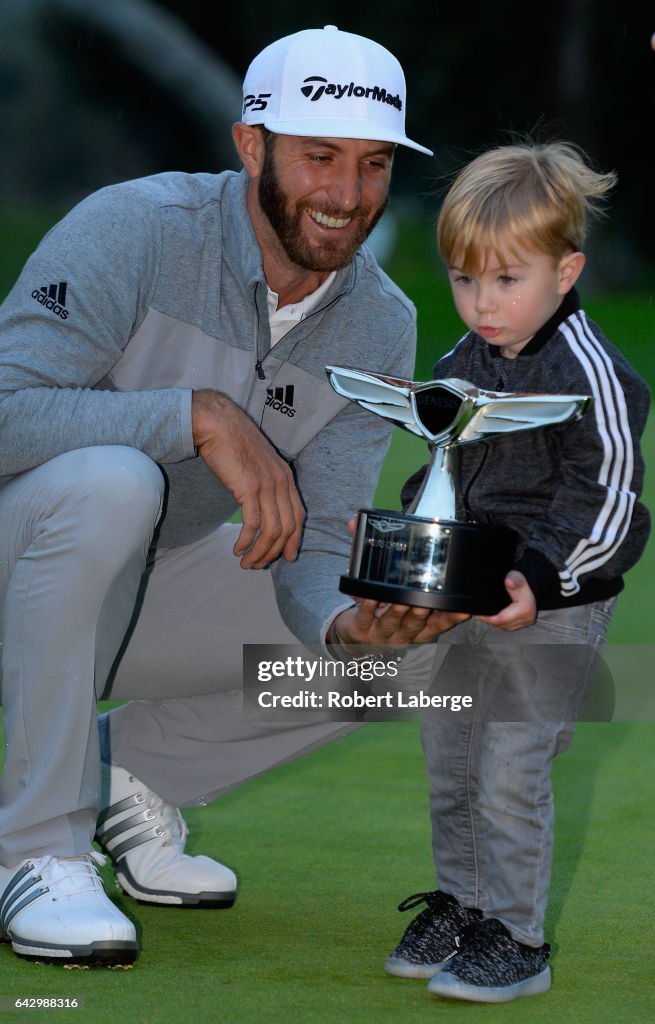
x: 373, y: 163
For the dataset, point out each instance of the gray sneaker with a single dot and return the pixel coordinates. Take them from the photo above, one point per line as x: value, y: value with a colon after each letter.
x: 430, y: 940
x: 492, y: 967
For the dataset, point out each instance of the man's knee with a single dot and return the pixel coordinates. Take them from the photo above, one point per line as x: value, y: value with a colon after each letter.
x: 114, y: 485
x: 82, y: 497
x: 101, y: 501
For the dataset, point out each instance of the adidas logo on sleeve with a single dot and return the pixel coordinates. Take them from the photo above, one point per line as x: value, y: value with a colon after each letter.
x: 53, y: 296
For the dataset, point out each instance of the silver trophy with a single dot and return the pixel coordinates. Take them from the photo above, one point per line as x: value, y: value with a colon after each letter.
x: 425, y: 556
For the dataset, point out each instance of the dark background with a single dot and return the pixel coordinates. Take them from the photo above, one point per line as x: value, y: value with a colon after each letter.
x: 84, y: 102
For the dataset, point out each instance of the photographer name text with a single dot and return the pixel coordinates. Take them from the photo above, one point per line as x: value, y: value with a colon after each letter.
x: 396, y: 700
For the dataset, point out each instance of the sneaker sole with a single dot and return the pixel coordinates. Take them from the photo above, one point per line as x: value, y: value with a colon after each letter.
x: 167, y: 898
x: 95, y: 954
x: 450, y: 987
x: 405, y: 969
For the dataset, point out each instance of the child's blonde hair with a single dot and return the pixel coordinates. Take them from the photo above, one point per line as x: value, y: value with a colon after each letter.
x: 526, y: 195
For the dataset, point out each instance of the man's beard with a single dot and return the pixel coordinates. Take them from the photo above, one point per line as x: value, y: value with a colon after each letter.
x: 288, y: 226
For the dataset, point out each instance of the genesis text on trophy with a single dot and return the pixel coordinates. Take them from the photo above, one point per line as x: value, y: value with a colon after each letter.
x: 425, y: 556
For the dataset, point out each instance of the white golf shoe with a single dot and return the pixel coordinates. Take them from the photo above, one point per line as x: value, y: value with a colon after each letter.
x: 55, y: 910
x: 145, y: 837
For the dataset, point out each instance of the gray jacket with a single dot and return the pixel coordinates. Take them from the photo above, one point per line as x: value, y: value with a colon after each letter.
x: 154, y: 287
x: 570, y: 492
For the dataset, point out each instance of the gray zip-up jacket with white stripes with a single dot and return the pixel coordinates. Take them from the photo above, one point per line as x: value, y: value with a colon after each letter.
x: 570, y: 492
x: 154, y: 287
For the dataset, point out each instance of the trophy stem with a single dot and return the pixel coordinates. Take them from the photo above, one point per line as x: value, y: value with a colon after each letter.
x: 436, y: 497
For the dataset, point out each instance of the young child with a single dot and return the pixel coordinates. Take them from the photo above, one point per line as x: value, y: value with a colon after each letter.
x: 511, y: 231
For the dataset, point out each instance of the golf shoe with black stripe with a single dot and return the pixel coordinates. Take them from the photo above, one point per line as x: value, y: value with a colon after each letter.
x: 145, y: 837
x: 55, y: 910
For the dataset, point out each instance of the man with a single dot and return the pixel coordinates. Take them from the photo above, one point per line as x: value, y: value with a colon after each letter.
x: 162, y: 364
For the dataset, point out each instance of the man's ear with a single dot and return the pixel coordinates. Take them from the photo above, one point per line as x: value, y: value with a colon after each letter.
x: 249, y: 143
x: 570, y: 267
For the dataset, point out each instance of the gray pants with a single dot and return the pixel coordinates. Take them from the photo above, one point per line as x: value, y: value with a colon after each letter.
x: 74, y: 537
x: 491, y: 800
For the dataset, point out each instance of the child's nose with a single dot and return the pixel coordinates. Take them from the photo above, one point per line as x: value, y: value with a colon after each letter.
x: 484, y: 300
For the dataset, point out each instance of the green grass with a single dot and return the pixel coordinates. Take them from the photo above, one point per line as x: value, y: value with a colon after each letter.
x: 327, y: 846
x: 21, y: 228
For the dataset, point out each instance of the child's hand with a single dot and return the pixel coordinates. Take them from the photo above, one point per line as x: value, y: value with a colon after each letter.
x: 522, y: 609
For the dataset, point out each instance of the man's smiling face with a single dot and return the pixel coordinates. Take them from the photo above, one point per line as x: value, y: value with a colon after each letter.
x: 323, y: 197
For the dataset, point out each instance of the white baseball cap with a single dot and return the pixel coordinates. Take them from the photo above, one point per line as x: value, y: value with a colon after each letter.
x: 323, y: 82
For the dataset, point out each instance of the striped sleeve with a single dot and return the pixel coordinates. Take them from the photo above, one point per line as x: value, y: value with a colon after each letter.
x: 615, y: 472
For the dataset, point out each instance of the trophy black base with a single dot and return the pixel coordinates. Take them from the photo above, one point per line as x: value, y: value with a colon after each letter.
x: 427, y: 563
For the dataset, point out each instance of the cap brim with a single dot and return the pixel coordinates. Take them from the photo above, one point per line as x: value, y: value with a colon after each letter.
x: 331, y: 128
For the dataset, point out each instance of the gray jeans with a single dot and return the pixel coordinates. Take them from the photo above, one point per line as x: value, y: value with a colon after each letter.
x: 76, y: 600
x: 491, y: 800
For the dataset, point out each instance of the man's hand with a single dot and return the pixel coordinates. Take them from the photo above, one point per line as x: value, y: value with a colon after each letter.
x: 262, y: 483
x: 371, y: 624
x: 522, y: 609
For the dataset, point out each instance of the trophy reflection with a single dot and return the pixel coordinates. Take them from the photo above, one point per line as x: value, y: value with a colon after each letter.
x: 426, y: 556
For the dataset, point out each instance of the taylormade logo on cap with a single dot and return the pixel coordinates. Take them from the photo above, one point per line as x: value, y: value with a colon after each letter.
x: 323, y: 82
x: 319, y: 85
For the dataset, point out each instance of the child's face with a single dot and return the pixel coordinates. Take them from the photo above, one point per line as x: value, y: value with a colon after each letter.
x: 507, y: 300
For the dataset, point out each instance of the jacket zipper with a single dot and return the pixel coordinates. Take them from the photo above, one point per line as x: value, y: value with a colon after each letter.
x: 259, y: 363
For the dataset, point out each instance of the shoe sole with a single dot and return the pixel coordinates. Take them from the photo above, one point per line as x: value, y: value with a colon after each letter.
x: 405, y: 969
x: 450, y: 987
x: 166, y: 898
x: 95, y: 954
